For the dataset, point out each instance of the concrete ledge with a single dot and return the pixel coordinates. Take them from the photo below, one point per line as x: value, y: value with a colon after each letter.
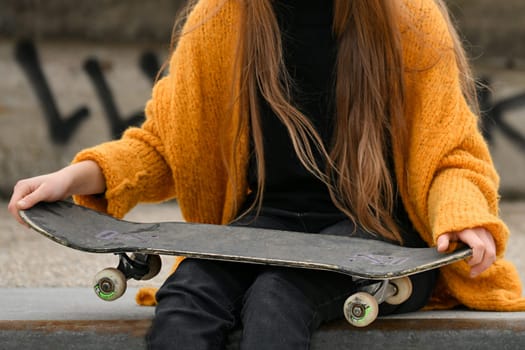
x: 72, y: 318
x: 77, y: 335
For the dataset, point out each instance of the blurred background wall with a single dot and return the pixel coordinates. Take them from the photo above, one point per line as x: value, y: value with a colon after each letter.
x: 130, y: 21
x: 493, y: 28
x: 76, y: 73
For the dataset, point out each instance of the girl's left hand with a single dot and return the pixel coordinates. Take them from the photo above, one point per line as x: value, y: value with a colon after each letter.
x: 481, y: 242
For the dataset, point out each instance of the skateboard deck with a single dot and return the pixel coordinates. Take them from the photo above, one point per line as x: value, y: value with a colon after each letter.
x: 90, y: 231
x: 378, y: 269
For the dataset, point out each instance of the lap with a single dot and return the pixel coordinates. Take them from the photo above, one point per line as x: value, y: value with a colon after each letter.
x: 234, y: 284
x: 232, y: 288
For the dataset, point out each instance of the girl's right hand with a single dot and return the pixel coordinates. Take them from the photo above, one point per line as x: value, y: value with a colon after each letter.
x: 80, y: 178
x: 46, y: 188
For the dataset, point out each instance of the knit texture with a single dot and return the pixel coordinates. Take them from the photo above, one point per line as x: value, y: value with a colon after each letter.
x: 446, y: 177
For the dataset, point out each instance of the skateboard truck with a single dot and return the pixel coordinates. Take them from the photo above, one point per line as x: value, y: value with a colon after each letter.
x: 110, y: 283
x: 362, y: 308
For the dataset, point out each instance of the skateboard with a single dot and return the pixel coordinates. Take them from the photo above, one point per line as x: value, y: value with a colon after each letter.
x: 379, y: 270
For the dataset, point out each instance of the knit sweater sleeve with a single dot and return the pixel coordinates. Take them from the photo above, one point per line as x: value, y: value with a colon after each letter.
x: 451, y: 177
x: 463, y: 183
x: 176, y: 147
x: 448, y: 179
x: 134, y: 167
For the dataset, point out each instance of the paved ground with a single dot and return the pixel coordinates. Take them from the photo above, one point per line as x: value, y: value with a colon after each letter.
x: 72, y: 318
x: 29, y: 260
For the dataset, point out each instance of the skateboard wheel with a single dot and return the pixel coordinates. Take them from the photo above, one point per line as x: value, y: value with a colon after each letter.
x: 361, y: 309
x: 154, y: 266
x: 110, y: 284
x: 403, y: 288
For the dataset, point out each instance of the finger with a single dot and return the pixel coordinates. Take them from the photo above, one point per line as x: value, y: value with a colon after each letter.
x: 26, y: 194
x: 489, y: 256
x: 490, y: 245
x: 478, y: 247
x: 21, y: 190
x: 40, y: 190
x: 443, y: 242
x: 13, y: 210
x: 30, y: 200
x: 480, y: 259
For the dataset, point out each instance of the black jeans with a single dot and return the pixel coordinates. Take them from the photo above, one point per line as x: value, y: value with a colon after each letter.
x: 277, y: 308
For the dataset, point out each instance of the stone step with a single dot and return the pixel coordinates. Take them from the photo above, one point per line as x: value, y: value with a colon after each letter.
x: 73, y: 318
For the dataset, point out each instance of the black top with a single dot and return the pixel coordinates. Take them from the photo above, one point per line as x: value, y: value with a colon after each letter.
x: 309, y: 52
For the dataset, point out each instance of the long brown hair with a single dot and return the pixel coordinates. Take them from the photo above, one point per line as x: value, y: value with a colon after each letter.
x: 369, y: 103
x: 368, y: 100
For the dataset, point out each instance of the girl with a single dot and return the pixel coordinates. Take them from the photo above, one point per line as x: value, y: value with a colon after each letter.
x: 329, y: 117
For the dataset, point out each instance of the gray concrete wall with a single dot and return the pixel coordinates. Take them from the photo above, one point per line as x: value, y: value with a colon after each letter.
x: 129, y: 21
x: 35, y: 138
x: 492, y: 28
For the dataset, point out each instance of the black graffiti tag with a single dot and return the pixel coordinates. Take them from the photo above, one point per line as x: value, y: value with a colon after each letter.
x: 117, y: 124
x: 148, y: 64
x: 60, y: 128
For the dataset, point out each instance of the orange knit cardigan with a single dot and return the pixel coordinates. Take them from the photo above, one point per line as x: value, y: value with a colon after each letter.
x: 447, y: 180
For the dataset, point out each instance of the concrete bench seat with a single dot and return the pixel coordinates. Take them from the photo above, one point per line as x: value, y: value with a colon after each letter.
x: 73, y: 318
